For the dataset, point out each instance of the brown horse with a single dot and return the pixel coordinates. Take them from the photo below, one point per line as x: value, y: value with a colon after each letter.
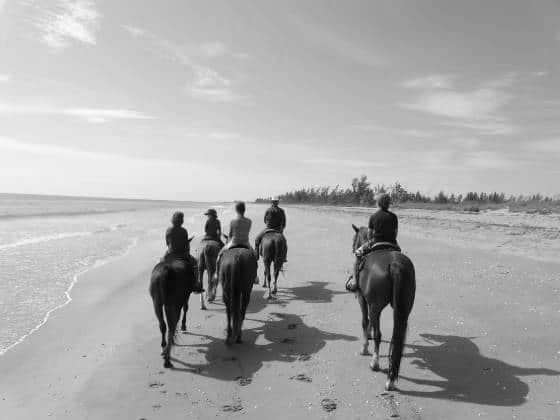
x: 387, y: 277
x: 207, y: 257
x: 272, y: 249
x: 171, y: 285
x: 237, y: 272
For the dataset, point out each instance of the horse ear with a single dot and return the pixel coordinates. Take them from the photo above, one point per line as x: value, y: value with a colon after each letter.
x: 355, y: 228
x: 191, y: 238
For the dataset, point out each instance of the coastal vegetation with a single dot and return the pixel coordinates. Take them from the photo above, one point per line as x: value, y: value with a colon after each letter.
x: 362, y: 193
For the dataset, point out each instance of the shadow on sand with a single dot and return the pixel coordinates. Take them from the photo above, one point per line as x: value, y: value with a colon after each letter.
x: 468, y: 375
x: 288, y: 339
x: 316, y: 292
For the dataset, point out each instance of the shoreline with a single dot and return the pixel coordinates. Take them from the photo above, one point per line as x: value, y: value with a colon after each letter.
x: 67, y: 293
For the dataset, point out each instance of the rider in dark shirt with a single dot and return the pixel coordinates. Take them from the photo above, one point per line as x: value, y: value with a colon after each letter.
x: 213, y: 227
x: 178, y: 246
x: 383, y: 227
x: 275, y: 220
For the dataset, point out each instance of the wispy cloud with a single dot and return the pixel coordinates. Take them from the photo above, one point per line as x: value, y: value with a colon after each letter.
x: 349, y: 163
x: 207, y: 84
x: 92, y: 115
x: 65, y: 22
x: 343, y: 47
x: 479, y: 110
x: 434, y: 81
x: 5, y: 78
x: 393, y: 131
x: 215, y: 49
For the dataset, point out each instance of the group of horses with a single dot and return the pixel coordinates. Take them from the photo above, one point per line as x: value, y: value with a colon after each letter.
x: 386, y: 277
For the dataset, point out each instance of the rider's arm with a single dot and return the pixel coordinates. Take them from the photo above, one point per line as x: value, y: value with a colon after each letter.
x: 219, y: 229
x: 167, y: 236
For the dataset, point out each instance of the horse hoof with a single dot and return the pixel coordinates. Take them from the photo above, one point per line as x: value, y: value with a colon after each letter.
x: 203, y: 308
x: 274, y: 291
x: 374, y: 366
x: 365, y: 352
x: 183, y: 328
x: 167, y: 364
x: 390, y: 385
x: 264, y: 285
x: 239, y: 340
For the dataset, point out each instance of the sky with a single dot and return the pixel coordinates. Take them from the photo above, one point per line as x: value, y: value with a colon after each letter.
x: 231, y: 100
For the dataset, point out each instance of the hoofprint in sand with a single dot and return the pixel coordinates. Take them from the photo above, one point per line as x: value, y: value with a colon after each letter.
x: 482, y: 340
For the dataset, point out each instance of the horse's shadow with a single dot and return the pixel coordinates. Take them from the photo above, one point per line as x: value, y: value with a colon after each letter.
x: 316, y: 292
x: 288, y: 339
x: 467, y: 374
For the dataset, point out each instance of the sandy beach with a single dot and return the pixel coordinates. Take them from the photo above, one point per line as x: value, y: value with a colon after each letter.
x: 482, y: 342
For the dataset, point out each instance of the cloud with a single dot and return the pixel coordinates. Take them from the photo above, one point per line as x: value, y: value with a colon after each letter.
x: 5, y: 78
x: 210, y: 86
x: 400, y: 132
x: 66, y: 22
x: 341, y: 46
x: 135, y: 31
x: 350, y: 163
x: 479, y: 110
x: 93, y: 115
x: 434, y: 81
x: 207, y: 84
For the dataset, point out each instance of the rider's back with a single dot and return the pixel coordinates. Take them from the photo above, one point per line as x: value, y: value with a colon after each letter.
x: 239, y: 229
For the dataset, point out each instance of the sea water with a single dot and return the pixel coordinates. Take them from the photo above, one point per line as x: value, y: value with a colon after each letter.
x: 47, y: 242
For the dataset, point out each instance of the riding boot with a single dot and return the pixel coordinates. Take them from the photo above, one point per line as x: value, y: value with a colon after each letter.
x: 352, y: 282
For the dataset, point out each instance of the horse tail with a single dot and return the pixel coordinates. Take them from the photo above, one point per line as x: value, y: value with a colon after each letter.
x: 236, y: 292
x: 402, y: 275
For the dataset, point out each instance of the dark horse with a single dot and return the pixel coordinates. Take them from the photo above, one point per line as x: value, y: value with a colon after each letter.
x: 387, y: 276
x: 208, y: 254
x: 237, y: 272
x: 272, y: 248
x: 171, y: 285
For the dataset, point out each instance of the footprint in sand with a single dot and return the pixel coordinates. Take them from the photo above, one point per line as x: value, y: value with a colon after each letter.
x: 304, y: 357
x: 232, y: 407
x: 156, y: 384
x: 287, y: 340
x: 328, y: 405
x: 292, y: 326
x: 243, y: 381
x: 301, y: 377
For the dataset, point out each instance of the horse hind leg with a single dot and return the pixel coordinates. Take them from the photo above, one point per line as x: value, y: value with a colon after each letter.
x: 277, y: 268
x: 396, y: 350
x: 201, y: 269
x: 374, y: 316
x: 365, y: 325
x: 172, y: 313
x: 185, y: 310
x: 158, y: 309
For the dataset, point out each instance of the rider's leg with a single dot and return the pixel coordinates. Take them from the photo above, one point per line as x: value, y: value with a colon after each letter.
x: 352, y: 284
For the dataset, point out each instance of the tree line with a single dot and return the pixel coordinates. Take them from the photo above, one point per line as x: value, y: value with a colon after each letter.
x: 362, y: 193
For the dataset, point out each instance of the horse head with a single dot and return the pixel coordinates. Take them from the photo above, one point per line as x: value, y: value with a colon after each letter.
x: 361, y: 236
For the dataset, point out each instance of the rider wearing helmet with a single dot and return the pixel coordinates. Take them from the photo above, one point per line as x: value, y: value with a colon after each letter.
x: 275, y: 221
x: 178, y: 246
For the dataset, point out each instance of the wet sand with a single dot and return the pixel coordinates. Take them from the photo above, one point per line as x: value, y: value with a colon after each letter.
x: 482, y: 342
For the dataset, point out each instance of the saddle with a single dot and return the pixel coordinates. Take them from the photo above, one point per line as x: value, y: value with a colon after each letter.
x: 375, y: 247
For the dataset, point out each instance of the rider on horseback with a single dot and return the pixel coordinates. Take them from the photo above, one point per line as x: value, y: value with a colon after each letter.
x: 275, y: 221
x: 178, y: 246
x: 383, y: 228
x: 239, y: 229
x: 213, y: 227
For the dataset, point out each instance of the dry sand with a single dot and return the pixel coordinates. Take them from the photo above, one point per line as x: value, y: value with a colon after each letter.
x: 483, y: 337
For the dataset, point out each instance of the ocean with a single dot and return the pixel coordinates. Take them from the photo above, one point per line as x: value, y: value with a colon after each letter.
x: 47, y: 242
